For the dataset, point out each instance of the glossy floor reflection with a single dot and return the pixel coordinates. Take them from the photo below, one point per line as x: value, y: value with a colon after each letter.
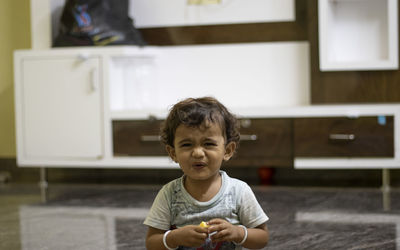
x: 110, y: 217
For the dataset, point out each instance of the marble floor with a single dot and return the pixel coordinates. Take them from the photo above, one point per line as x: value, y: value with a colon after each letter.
x: 110, y: 217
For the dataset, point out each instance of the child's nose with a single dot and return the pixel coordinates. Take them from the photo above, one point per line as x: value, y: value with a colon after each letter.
x: 198, y: 152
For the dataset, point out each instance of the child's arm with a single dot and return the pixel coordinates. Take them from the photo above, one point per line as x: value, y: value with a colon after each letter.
x: 190, y: 236
x: 256, y: 237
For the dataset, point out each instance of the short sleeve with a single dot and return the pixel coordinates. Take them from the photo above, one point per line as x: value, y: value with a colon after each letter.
x: 251, y: 213
x: 159, y: 215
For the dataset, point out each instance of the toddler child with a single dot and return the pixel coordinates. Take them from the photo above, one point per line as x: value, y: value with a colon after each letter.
x: 199, y: 134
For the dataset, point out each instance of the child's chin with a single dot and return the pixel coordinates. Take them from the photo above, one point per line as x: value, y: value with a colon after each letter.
x: 199, y: 176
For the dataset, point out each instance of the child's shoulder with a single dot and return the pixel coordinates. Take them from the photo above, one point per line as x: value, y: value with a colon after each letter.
x: 234, y: 182
x: 173, y: 186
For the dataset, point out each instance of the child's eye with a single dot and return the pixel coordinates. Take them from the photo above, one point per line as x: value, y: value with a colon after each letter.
x: 210, y: 144
x: 185, y: 145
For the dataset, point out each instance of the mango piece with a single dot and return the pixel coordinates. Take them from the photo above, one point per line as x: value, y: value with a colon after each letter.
x: 204, y: 224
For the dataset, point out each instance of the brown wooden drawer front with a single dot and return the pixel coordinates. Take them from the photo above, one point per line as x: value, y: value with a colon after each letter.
x: 264, y: 142
x: 137, y: 138
x: 344, y: 137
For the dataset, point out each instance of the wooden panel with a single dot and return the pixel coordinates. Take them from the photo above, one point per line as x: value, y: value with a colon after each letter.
x: 321, y: 137
x: 347, y: 86
x: 137, y: 138
x: 271, y: 148
x: 231, y: 33
x: 264, y: 142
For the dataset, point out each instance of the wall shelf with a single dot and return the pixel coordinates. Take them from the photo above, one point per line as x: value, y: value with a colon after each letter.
x: 358, y: 35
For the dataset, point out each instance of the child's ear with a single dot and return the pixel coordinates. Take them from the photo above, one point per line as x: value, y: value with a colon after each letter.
x: 171, y: 153
x: 229, y: 150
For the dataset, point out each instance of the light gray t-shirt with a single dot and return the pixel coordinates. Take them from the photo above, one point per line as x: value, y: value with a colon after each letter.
x: 235, y: 202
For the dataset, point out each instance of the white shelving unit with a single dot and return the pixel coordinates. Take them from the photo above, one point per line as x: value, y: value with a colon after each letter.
x: 114, y: 82
x: 75, y: 94
x: 358, y: 34
x: 67, y: 98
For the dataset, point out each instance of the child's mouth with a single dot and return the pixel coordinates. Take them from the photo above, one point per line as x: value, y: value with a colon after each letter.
x: 199, y: 165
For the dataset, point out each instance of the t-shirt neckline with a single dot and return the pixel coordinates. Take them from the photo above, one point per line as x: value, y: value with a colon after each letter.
x: 216, y: 197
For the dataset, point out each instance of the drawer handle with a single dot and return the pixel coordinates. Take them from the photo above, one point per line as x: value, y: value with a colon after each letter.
x: 342, y: 137
x: 248, y: 137
x: 150, y: 138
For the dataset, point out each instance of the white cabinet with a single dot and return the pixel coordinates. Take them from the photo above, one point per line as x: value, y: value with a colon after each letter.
x: 358, y: 34
x: 58, y: 107
x: 63, y: 111
x: 68, y: 100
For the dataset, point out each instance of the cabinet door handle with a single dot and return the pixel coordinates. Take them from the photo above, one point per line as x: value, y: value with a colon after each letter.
x: 342, y: 137
x: 83, y: 57
x: 94, y: 81
x: 150, y: 138
x: 248, y: 137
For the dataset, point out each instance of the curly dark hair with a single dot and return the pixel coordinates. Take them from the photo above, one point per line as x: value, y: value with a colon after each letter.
x: 194, y: 112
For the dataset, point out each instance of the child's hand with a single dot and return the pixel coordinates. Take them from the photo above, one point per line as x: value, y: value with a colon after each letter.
x: 225, y: 231
x: 189, y: 236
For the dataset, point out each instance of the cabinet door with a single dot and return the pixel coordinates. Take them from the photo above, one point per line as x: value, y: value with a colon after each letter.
x: 137, y: 138
x: 344, y: 137
x: 264, y: 142
x: 60, y: 105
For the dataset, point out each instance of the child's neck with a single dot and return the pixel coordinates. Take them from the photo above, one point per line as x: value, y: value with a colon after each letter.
x: 203, y: 190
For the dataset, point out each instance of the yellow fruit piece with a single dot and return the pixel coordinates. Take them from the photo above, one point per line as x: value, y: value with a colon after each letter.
x: 204, y: 224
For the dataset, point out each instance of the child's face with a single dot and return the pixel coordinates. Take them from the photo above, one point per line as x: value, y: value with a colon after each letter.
x: 200, y: 150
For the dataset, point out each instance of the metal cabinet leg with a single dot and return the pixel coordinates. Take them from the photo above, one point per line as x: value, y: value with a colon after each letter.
x: 386, y: 189
x: 43, y: 184
x: 5, y: 176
